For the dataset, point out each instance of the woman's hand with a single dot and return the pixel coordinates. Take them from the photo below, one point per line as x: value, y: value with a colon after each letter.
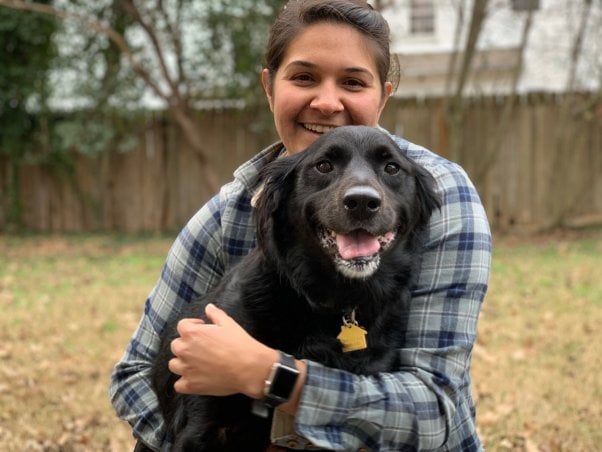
x: 219, y: 358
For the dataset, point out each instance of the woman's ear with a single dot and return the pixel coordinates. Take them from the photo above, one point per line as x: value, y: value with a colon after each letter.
x: 267, y: 87
x: 388, y: 90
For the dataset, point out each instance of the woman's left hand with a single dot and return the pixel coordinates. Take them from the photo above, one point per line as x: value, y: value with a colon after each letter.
x: 219, y: 358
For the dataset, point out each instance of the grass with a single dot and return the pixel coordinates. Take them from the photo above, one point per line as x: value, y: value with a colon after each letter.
x: 68, y: 307
x: 70, y: 303
x: 537, y: 361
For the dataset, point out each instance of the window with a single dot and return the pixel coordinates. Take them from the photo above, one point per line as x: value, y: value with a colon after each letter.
x: 525, y: 5
x: 422, y: 17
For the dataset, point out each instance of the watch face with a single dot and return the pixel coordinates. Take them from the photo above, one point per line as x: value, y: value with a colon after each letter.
x: 283, y: 382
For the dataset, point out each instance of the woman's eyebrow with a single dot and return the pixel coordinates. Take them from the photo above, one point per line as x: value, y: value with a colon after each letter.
x: 310, y: 65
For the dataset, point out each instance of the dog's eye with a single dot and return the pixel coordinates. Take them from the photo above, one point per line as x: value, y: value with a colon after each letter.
x: 392, y: 168
x: 324, y: 166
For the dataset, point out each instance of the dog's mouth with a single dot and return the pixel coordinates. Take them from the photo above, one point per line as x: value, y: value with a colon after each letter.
x: 355, y: 254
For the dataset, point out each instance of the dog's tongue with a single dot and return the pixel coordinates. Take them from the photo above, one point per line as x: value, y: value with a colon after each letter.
x: 356, y: 244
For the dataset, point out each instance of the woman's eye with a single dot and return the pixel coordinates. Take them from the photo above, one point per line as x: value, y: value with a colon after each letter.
x: 354, y: 84
x: 392, y: 168
x: 324, y: 166
x: 302, y: 78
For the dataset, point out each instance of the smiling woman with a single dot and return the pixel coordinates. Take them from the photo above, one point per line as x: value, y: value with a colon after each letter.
x: 327, y: 65
x: 328, y: 78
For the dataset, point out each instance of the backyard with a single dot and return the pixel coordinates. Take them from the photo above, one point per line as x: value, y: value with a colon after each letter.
x: 69, y: 304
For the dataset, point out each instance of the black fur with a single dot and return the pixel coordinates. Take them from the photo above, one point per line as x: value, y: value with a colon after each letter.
x: 288, y: 293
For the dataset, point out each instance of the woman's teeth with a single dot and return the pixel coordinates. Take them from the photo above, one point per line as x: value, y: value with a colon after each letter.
x: 318, y: 128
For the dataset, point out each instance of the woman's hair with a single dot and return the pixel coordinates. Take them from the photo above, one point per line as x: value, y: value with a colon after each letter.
x: 299, y: 14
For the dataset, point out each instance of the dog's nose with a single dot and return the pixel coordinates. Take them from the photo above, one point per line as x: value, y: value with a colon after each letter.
x: 362, y: 200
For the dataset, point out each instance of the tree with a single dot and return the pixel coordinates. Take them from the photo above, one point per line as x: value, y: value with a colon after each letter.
x: 174, y: 52
x: 491, y: 150
x: 458, y: 76
x: 26, y: 59
x: 572, y: 110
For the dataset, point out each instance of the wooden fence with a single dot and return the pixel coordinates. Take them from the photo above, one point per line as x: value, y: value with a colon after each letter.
x: 536, y: 162
x: 536, y: 165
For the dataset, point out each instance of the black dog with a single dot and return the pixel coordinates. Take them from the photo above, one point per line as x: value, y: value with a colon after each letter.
x: 340, y: 227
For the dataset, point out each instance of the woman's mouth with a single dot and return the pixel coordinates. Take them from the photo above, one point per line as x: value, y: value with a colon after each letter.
x: 317, y: 128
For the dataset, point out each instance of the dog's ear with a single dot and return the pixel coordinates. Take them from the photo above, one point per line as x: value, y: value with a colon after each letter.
x: 427, y: 199
x: 277, y: 183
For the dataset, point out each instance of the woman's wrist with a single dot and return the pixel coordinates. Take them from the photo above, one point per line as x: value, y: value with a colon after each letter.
x: 254, y: 381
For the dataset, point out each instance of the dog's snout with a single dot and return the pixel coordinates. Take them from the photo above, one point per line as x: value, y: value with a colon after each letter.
x: 362, y: 200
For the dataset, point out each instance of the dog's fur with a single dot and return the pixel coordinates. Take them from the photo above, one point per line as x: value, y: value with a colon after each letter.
x: 293, y: 290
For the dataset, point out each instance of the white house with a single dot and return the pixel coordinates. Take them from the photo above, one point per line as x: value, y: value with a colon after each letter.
x: 423, y: 35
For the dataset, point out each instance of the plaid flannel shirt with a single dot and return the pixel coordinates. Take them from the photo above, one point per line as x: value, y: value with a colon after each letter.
x: 427, y: 405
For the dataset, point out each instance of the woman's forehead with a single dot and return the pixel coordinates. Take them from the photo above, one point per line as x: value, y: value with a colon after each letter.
x: 329, y: 43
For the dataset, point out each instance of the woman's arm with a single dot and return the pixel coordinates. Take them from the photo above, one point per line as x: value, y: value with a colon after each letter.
x: 183, y: 278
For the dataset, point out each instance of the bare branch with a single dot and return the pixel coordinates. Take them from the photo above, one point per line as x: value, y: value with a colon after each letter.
x: 451, y: 71
x: 476, y: 26
x: 173, y: 31
x: 578, y: 45
x: 133, y: 10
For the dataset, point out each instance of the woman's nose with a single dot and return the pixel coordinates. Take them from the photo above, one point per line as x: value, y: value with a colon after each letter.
x: 327, y: 99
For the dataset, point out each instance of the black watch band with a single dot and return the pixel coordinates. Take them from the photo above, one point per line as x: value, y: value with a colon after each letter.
x: 281, y: 382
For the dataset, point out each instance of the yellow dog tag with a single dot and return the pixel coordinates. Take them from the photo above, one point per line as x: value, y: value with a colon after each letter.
x: 352, y: 337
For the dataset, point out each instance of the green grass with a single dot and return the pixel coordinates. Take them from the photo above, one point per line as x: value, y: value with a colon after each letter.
x: 70, y: 303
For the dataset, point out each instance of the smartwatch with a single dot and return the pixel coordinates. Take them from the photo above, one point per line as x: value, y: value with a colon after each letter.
x: 281, y: 381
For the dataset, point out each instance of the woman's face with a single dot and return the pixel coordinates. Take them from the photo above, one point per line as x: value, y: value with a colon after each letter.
x: 328, y: 78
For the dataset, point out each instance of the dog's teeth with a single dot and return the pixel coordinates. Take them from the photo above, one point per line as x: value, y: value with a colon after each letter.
x: 354, y: 268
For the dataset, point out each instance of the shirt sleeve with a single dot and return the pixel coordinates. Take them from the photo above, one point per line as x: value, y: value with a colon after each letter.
x: 192, y: 266
x: 427, y: 403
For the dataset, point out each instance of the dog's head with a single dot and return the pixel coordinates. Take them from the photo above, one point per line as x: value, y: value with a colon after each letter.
x: 348, y: 199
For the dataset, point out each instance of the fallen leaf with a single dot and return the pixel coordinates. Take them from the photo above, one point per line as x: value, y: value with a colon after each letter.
x: 481, y: 353
x: 530, y: 446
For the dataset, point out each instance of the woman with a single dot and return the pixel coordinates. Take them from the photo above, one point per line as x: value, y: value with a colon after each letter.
x: 327, y: 66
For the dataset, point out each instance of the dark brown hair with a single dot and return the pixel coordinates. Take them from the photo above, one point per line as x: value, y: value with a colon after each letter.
x: 298, y: 14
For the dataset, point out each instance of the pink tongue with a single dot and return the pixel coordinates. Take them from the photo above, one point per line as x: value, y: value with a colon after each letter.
x: 358, y: 243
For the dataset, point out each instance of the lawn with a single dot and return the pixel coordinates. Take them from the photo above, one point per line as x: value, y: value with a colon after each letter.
x: 70, y: 303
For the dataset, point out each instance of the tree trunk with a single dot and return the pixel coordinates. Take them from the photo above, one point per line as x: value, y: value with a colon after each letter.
x: 190, y: 132
x: 454, y: 107
x: 570, y: 191
x: 491, y: 152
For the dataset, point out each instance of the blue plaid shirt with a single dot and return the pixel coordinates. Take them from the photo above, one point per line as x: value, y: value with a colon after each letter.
x: 426, y: 405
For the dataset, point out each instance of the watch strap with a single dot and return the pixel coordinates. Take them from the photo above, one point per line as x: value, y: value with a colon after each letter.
x: 288, y: 361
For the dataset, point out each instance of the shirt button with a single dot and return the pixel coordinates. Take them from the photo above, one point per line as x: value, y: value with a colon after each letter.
x: 291, y: 444
x: 363, y: 449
